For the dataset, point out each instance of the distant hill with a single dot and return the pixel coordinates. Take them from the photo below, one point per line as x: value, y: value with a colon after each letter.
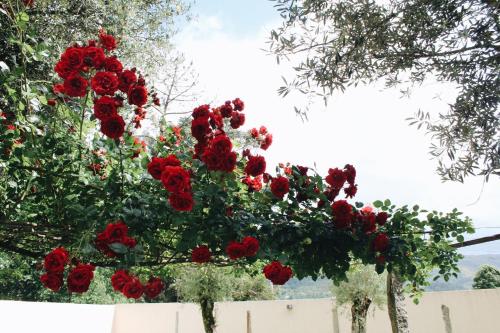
x: 307, y: 288
x: 468, y: 267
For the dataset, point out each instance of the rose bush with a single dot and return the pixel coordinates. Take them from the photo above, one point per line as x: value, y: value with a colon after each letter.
x: 96, y: 194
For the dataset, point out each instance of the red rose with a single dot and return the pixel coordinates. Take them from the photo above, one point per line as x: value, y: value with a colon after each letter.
x: 133, y: 288
x: 381, y: 242
x: 102, y: 242
x: 237, y: 120
x: 256, y: 165
x: 182, y: 201
x: 200, y: 128
x: 112, y: 64
x: 93, y: 56
x: 119, y: 279
x: 235, y: 250
x: 254, y: 185
x: 201, y: 111
x: 238, y: 104
x: 254, y: 133
x: 251, y: 245
x: 116, y: 232
x: 107, y: 41
x: 56, y: 260
x: 154, y: 287
x: 284, y: 275
x: 216, y: 120
x: 157, y: 164
x: 271, y: 271
x: 277, y: 273
x: 74, y: 57
x: 382, y: 218
x: 104, y: 107
x: 280, y: 186
x: 137, y: 95
x: 175, y: 179
x: 58, y: 88
x: 350, y: 173
x: 351, y: 191
x: 51, y: 102
x: 171, y: 160
x: 155, y: 167
x: 64, y: 69
x: 342, y: 211
x: 369, y: 225
x: 113, y: 127
x: 263, y: 130
x: 104, y: 83
x: 221, y: 145
x: 331, y: 193
x: 229, y: 162
x: 336, y: 178
x: 80, y: 277
x: 268, y: 140
x: 52, y: 281
x: 226, y: 110
x: 127, y: 78
x: 201, y: 254
x: 75, y: 86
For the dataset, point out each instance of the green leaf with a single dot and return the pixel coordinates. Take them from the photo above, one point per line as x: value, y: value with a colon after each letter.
x: 118, y: 248
x: 387, y: 202
x: 378, y: 204
x: 460, y: 238
x: 42, y: 99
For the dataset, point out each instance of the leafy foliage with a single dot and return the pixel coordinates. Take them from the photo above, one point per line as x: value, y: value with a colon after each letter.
x: 487, y: 277
x: 404, y: 42
x: 362, y: 282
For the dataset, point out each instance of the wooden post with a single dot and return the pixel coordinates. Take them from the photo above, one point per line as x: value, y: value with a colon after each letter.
x: 446, y: 318
x: 249, y: 322
x: 335, y: 315
x: 176, y: 321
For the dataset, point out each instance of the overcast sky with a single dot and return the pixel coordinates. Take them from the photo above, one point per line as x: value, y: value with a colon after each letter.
x: 365, y: 126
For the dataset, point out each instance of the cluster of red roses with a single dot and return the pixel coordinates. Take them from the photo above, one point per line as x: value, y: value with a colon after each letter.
x: 262, y: 136
x: 80, y: 65
x: 367, y: 221
x: 78, y: 279
x: 131, y: 287
x: 337, y: 178
x: 115, y: 233
x: 256, y: 167
x: 175, y: 179
x: 277, y: 273
x: 213, y: 146
x: 248, y: 247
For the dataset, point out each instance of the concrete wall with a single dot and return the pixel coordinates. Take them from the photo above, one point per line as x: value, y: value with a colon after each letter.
x: 475, y: 311
x: 39, y: 317
x: 469, y: 311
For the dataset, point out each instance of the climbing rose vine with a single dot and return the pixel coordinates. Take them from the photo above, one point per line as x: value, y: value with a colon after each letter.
x: 200, y: 192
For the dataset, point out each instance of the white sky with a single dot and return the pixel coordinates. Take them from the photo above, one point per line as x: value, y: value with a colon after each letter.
x: 365, y: 126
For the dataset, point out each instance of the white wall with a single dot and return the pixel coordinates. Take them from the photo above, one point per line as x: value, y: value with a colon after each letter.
x: 469, y: 311
x: 30, y: 317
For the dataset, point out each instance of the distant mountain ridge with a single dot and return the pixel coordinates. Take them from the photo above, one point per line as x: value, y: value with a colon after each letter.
x: 469, y: 265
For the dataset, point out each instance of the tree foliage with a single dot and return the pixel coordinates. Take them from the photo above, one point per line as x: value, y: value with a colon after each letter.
x: 343, y: 43
x: 487, y: 277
